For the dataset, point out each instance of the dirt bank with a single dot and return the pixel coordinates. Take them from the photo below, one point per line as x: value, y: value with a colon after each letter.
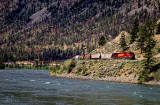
x: 123, y: 71
x: 132, y: 80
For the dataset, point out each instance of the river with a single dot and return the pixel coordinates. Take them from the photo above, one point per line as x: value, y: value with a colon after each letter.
x: 37, y: 87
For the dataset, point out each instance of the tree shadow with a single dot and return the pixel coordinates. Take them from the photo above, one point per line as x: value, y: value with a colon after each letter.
x: 155, y: 67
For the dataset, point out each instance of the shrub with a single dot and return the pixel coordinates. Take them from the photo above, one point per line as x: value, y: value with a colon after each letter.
x: 144, y: 76
x: 10, y: 65
x: 54, y: 69
x: 71, y: 65
x: 102, y: 41
x: 157, y: 75
x: 64, y: 68
x: 85, y: 72
x: 159, y: 50
x: 17, y: 66
x: 158, y: 28
x: 6, y: 65
x: 61, y: 69
x: 79, y: 70
x: 2, y: 66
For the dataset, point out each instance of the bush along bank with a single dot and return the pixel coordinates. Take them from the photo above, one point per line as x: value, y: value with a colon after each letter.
x: 111, y: 70
x: 108, y: 70
x: 22, y: 66
x: 2, y: 66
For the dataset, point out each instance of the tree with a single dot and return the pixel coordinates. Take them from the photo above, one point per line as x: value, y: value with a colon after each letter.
x: 148, y: 46
x: 123, y: 42
x: 2, y: 66
x: 134, y: 31
x: 158, y: 28
x: 102, y: 41
x: 141, y: 38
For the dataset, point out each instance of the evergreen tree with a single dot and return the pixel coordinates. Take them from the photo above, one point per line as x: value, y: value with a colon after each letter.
x: 2, y: 66
x: 141, y: 38
x: 158, y: 29
x: 135, y: 31
x: 149, y: 43
x: 123, y: 42
x: 102, y: 41
x: 148, y: 46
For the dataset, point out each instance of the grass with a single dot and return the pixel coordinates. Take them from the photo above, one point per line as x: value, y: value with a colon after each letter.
x: 156, y: 75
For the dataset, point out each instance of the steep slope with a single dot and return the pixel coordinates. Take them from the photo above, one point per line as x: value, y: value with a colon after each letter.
x: 113, y: 46
x: 59, y: 29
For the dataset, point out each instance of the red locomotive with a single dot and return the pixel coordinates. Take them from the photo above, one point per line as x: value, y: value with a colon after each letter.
x: 124, y: 55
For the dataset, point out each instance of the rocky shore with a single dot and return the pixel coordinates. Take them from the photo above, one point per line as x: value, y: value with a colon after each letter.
x: 122, y: 71
x: 109, y: 79
x: 132, y: 80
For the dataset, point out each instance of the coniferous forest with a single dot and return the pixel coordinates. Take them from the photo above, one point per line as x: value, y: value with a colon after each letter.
x: 60, y: 29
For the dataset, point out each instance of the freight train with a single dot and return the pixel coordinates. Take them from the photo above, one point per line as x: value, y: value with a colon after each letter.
x: 124, y: 55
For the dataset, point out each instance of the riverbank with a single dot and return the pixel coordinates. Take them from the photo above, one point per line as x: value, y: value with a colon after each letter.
x: 22, y: 66
x: 41, y: 65
x: 132, y: 80
x: 124, y: 71
x: 109, y: 79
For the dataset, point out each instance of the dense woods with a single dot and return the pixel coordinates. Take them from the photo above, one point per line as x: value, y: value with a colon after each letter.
x: 59, y: 29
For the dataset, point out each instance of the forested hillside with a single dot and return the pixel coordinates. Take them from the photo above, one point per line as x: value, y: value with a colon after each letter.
x: 59, y: 29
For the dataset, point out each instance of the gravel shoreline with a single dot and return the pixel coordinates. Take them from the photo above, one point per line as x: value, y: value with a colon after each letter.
x: 131, y: 79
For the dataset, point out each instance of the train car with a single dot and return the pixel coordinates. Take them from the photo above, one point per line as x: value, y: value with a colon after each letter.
x: 81, y: 57
x: 76, y: 57
x: 87, y: 56
x: 106, y: 56
x: 96, y: 56
x: 124, y: 55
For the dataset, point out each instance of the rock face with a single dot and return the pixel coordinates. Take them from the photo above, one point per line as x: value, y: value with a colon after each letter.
x: 39, y: 16
x: 109, y: 70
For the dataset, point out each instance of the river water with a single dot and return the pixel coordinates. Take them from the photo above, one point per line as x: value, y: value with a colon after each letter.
x: 37, y: 87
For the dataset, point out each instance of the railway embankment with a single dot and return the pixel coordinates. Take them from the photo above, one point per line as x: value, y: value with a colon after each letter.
x: 126, y: 71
